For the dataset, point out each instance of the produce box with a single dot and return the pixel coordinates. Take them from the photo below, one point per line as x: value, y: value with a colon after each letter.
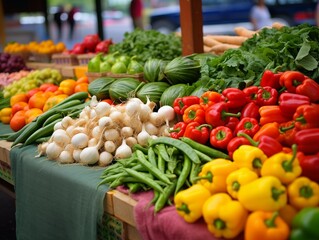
x: 5, y: 172
x: 68, y: 71
x: 65, y: 59
x: 44, y: 58
x: 92, y: 75
x: 25, y: 55
x: 85, y: 58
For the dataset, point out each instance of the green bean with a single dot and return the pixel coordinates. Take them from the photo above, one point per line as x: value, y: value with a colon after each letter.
x: 134, y: 187
x: 163, y: 198
x: 52, y: 118
x: 43, y: 139
x: 182, y: 146
x: 153, y: 170
x: 151, y: 156
x: 195, y: 170
x: 163, y: 152
x: 161, y: 163
x: 213, y: 153
x: 203, y: 156
x: 148, y: 181
x: 184, y: 174
x: 156, y: 196
x: 111, y: 178
x: 139, y: 147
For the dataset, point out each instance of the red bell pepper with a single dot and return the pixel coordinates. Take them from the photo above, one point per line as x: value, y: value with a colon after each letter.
x: 194, y: 113
x: 270, y: 79
x: 180, y: 104
x: 209, y: 98
x: 307, y: 116
x: 178, y: 130
x: 267, y: 96
x: 198, y: 132
x: 268, y: 145
x: 233, y: 97
x: 232, y: 123
x: 251, y: 93
x: 220, y: 137
x: 307, y: 140
x: 218, y: 115
x: 251, y: 109
x: 309, y: 88
x: 291, y: 79
x: 289, y: 102
x: 247, y: 125
x: 309, y: 165
x: 287, y: 132
x: 235, y: 143
x: 270, y: 114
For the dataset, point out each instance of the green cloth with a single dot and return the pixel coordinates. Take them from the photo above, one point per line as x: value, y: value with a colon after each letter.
x: 5, y: 128
x: 55, y: 201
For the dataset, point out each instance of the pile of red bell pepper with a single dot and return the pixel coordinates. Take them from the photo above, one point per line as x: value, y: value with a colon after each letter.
x: 282, y: 111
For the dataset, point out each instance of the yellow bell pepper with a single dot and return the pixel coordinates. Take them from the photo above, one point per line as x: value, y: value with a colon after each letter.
x: 249, y: 156
x: 238, y: 178
x: 189, y: 202
x: 53, y: 100
x: 303, y: 192
x: 6, y: 115
x: 265, y: 194
x: 224, y: 217
x: 284, y: 166
x: 214, y: 173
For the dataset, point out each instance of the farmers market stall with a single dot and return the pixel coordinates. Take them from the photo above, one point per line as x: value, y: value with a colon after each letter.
x: 213, y: 142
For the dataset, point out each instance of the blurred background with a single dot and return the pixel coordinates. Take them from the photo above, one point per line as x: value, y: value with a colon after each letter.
x: 34, y: 20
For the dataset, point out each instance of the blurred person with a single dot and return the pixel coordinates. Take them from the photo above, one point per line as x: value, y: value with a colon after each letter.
x: 136, y: 12
x: 57, y: 17
x: 260, y: 16
x: 71, y: 21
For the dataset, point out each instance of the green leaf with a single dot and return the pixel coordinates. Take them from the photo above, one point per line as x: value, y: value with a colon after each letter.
x: 304, y: 51
x: 308, y: 62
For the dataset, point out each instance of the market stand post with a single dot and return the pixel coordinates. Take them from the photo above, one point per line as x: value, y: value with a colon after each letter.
x: 191, y: 26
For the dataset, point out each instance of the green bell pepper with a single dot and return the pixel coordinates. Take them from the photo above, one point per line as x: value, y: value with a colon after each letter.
x: 305, y: 224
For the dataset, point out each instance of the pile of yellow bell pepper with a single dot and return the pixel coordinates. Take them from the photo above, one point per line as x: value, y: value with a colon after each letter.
x: 254, y: 194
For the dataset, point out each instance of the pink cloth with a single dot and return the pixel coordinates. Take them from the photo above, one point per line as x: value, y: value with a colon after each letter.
x: 167, y: 224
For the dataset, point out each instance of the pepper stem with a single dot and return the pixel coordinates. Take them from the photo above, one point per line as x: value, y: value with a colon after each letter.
x: 225, y: 114
x: 184, y: 208
x: 287, y: 165
x: 270, y: 223
x: 204, y: 125
x: 257, y: 163
x: 275, y: 193
x: 306, y: 192
x: 219, y: 224
x: 301, y: 119
x: 252, y: 142
x: 235, y: 186
x: 285, y: 129
x: 208, y: 176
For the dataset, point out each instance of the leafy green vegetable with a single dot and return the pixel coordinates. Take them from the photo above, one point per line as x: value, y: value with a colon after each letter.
x: 288, y: 48
x: 146, y: 44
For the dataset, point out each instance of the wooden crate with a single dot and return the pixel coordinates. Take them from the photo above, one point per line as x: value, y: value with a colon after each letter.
x: 139, y: 76
x: 43, y: 58
x: 65, y: 59
x: 84, y: 59
x: 92, y: 76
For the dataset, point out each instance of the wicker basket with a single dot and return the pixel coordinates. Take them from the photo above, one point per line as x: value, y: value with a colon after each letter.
x: 85, y: 58
x: 65, y: 59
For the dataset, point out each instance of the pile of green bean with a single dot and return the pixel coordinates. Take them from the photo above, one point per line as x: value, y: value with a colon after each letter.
x: 166, y: 166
